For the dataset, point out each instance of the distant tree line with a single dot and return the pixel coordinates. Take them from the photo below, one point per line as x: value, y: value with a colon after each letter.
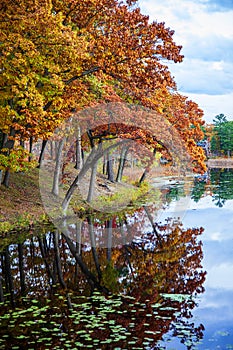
x: 222, y: 136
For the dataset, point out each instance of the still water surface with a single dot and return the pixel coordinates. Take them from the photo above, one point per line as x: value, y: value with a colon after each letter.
x: 162, y: 281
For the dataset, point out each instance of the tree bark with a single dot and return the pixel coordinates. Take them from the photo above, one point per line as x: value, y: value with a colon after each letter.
x: 110, y: 168
x: 57, y: 170
x: 9, y: 278
x: 146, y: 171
x: 93, y: 157
x: 91, y: 278
x: 21, y: 268
x: 30, y: 148
x: 58, y: 259
x: 43, y: 253
x: 122, y: 162
x: 6, y: 178
x: 1, y: 291
x: 91, y: 190
x: 10, y: 145
x: 44, y: 143
x: 93, y: 247
x: 109, y: 240
x: 78, y: 151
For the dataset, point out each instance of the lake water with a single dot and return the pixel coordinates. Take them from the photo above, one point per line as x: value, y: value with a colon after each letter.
x: 156, y: 278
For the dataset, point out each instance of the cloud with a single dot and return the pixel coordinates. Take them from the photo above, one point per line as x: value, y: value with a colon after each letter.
x: 204, y: 77
x: 213, y: 104
x: 204, y: 29
x: 218, y: 276
x: 218, y: 5
x: 209, y: 48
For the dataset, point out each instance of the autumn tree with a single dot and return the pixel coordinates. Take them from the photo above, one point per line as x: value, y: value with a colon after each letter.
x: 58, y: 57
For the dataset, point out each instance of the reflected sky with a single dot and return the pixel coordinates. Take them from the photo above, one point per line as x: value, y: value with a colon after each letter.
x: 215, y: 310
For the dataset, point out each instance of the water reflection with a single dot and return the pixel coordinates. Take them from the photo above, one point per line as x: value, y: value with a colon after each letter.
x: 215, y: 308
x: 126, y: 281
x: 56, y: 293
x: 218, y: 184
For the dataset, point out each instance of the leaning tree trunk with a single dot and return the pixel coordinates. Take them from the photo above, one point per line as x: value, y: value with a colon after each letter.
x: 30, y: 148
x: 146, y: 171
x: 94, y: 283
x: 93, y: 157
x: 44, y: 143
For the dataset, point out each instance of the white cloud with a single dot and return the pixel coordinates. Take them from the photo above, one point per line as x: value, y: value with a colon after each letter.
x: 204, y: 77
x: 213, y: 105
x: 219, y: 276
x: 205, y: 30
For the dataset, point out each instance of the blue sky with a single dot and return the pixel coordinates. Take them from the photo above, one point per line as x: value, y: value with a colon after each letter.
x: 205, y: 30
x: 215, y: 308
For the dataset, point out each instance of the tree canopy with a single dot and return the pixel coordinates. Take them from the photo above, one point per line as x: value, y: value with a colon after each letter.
x: 57, y: 57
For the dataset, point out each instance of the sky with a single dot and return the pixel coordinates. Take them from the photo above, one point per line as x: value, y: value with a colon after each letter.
x: 215, y: 306
x: 204, y: 28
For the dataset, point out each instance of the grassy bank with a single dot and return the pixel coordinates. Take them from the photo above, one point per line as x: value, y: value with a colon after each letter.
x: 21, y: 206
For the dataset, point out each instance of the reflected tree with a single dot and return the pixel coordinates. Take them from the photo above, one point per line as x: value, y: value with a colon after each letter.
x: 222, y: 184
x: 124, y: 296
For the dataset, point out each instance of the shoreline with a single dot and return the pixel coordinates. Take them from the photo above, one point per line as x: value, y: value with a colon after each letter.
x: 220, y: 163
x: 21, y: 207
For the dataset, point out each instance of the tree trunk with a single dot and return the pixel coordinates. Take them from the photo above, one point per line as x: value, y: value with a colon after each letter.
x: 91, y: 190
x: 90, y: 276
x: 57, y: 170
x: 104, y: 166
x: 146, y: 171
x: 110, y: 168
x: 10, y: 145
x: 78, y: 151
x: 109, y: 240
x: 21, y: 268
x: 152, y: 222
x: 51, y: 148
x: 9, y: 278
x: 30, y: 148
x: 81, y: 174
x: 1, y: 291
x: 43, y: 253
x: 121, y: 165
x: 93, y: 247
x: 78, y: 226
x: 6, y: 178
x: 93, y: 157
x: 143, y: 176
x: 44, y: 142
x: 58, y: 259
